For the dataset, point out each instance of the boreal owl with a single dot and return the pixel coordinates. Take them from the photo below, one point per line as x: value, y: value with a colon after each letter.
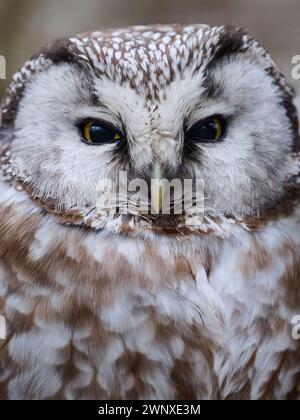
x: 115, y: 303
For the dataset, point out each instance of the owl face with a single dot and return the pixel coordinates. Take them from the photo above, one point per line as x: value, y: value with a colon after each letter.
x: 197, y: 102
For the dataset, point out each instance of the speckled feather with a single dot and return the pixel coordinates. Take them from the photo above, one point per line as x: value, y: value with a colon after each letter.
x: 145, y: 56
x: 122, y: 308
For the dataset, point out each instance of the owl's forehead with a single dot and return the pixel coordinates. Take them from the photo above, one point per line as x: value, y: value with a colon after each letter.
x: 147, y: 57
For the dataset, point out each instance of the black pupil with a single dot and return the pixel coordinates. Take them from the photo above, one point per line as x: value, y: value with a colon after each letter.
x: 207, y: 131
x: 100, y: 134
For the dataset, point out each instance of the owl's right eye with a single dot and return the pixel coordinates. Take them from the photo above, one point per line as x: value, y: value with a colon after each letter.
x: 96, y: 133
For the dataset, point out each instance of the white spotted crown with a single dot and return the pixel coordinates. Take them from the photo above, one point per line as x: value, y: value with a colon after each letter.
x: 148, y: 58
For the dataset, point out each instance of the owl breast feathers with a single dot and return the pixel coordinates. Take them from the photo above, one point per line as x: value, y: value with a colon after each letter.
x: 103, y: 302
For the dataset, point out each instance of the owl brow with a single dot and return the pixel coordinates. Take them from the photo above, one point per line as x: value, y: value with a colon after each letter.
x: 96, y: 101
x: 213, y: 88
x: 90, y: 86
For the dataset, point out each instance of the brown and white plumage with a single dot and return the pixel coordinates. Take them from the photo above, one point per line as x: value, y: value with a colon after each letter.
x: 103, y: 306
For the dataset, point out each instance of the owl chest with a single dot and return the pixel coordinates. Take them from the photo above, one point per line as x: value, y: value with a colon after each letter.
x: 152, y: 322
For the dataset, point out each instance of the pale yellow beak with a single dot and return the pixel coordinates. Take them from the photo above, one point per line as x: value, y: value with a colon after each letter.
x: 157, y: 189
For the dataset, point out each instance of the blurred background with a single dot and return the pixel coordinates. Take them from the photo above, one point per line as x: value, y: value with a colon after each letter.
x: 27, y: 24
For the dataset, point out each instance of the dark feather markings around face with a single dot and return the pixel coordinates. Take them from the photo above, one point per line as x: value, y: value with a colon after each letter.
x: 152, y: 85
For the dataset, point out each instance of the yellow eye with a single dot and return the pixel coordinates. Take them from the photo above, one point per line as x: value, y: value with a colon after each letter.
x: 96, y: 133
x: 218, y: 128
x: 207, y: 131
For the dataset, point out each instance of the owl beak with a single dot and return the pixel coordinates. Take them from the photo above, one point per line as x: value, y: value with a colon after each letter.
x: 157, y: 189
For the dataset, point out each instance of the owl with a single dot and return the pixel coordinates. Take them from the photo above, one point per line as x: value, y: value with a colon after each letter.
x: 103, y: 303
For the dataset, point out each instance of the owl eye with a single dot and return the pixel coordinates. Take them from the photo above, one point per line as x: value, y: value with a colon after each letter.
x: 95, y: 133
x: 207, y: 131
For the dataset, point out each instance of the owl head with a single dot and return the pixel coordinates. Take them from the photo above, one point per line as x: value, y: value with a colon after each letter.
x: 184, y: 102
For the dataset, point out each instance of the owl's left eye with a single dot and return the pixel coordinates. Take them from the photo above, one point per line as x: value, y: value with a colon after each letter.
x: 207, y: 131
x: 96, y: 133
